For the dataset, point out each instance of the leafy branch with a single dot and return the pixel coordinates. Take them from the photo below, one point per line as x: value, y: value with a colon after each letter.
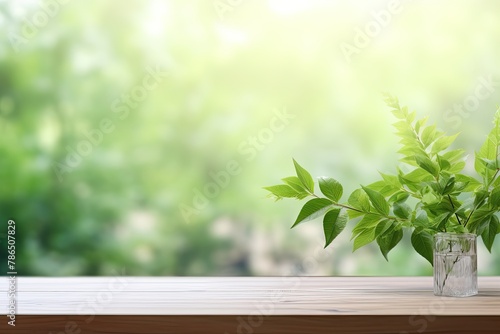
x: 433, y: 182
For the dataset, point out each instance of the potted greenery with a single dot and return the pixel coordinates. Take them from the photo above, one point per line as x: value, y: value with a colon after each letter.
x: 444, y: 209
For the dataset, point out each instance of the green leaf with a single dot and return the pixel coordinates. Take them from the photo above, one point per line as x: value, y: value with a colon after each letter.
x: 454, y: 155
x: 412, y: 180
x: 331, y: 188
x: 333, y: 223
x: 456, y: 228
x: 417, y: 175
x: 489, y: 163
x: 405, y: 130
x: 443, y: 163
x: 472, y: 183
x: 426, y: 164
x: 421, y: 220
x: 383, y: 187
x: 392, y: 101
x: 313, y: 209
x: 490, y: 232
x: 364, y: 238
x: 410, y: 160
x: 378, y: 201
x: 480, y: 197
x: 430, y: 198
x: 282, y: 190
x: 429, y: 134
x: 420, y: 123
x: 400, y: 196
x: 495, y: 197
x: 448, y: 187
x: 368, y: 222
x: 383, y: 226
x: 359, y: 200
x: 304, y: 177
x: 477, y: 217
x: 393, y: 180
x: 389, y: 240
x: 487, y: 151
x: 422, y: 242
x: 440, y: 221
x: 443, y: 143
x: 402, y: 126
x: 401, y: 210
x: 410, y: 150
x: 411, y: 116
x: 295, y: 183
x: 456, y: 167
x: 467, y: 205
x: 354, y: 214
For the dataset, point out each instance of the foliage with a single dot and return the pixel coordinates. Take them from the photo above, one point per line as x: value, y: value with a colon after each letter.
x: 432, y: 196
x: 120, y: 207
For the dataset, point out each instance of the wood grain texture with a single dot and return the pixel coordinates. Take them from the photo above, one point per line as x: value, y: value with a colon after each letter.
x: 75, y: 305
x: 244, y: 295
x: 69, y: 324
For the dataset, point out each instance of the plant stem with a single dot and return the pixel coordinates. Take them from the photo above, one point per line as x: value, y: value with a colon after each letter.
x: 361, y: 211
x: 410, y: 192
x: 487, y: 187
x: 453, y: 206
x: 470, y: 215
x: 492, y: 179
x: 448, y: 272
x: 452, y: 266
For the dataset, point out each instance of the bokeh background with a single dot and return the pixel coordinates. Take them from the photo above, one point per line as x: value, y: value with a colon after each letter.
x: 118, y: 117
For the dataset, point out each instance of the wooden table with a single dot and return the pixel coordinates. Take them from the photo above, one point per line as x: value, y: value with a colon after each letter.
x: 227, y: 305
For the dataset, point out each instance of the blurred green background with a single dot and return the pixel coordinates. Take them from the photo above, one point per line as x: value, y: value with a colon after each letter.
x: 118, y: 118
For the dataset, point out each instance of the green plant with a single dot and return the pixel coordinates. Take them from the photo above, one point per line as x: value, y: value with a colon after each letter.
x: 433, y: 196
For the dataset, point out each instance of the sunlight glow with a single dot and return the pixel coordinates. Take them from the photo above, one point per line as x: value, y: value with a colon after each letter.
x: 157, y: 14
x: 291, y: 7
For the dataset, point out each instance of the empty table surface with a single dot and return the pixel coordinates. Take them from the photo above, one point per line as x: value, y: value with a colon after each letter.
x: 124, y: 304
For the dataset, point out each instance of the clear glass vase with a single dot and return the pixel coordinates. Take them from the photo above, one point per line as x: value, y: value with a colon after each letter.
x: 455, y: 264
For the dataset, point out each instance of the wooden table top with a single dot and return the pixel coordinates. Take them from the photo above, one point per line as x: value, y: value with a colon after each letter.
x: 306, y: 296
